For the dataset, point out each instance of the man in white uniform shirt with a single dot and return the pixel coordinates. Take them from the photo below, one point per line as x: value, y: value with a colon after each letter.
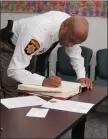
x: 35, y: 35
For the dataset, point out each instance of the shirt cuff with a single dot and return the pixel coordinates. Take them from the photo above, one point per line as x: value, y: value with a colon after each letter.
x: 40, y: 79
x: 81, y: 74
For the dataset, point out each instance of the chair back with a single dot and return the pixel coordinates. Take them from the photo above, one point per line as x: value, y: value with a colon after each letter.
x: 102, y: 63
x: 63, y: 62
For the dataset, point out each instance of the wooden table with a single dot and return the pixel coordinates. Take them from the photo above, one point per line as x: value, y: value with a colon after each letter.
x: 15, y: 124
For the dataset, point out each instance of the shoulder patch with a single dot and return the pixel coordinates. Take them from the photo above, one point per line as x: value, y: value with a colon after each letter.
x: 32, y: 47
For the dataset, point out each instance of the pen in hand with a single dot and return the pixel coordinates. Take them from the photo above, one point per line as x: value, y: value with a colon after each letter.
x: 52, y: 81
x: 58, y: 78
x: 52, y: 73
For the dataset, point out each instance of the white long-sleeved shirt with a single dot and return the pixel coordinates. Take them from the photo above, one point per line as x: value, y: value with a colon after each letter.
x: 34, y: 36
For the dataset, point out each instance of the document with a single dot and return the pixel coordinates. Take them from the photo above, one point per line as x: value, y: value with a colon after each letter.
x: 22, y: 101
x: 68, y: 105
x: 37, y: 112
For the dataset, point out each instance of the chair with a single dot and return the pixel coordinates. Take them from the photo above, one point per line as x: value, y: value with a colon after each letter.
x: 101, y: 75
x: 64, y: 68
x: 42, y: 64
x: 101, y: 69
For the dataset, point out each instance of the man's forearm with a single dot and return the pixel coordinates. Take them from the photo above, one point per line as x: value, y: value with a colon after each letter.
x: 26, y: 77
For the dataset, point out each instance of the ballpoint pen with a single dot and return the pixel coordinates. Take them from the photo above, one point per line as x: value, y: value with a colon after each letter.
x: 52, y: 73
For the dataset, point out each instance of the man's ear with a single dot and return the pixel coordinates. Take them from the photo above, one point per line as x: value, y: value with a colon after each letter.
x: 64, y: 26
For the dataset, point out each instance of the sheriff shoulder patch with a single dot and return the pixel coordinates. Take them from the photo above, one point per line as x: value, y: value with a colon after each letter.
x: 32, y: 46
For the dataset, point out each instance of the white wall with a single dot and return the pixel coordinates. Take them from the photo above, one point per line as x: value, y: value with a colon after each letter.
x: 97, y: 38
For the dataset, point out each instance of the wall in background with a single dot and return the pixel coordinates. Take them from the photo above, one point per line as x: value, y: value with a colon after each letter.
x: 97, y: 38
x: 85, y: 8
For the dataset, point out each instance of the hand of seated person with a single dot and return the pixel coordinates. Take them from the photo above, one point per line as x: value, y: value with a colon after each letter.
x: 86, y: 81
x: 52, y: 81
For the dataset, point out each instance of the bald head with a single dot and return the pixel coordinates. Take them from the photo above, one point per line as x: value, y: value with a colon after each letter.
x: 75, y: 28
x: 79, y: 26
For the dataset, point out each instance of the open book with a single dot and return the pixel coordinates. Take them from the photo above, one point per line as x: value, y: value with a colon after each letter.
x: 65, y: 91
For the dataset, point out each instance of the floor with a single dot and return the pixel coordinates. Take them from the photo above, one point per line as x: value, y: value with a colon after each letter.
x: 96, y: 126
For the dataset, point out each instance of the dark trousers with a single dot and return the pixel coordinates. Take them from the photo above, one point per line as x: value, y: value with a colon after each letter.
x: 9, y: 85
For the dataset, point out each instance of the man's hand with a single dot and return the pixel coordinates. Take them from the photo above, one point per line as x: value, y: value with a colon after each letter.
x: 52, y: 81
x: 87, y: 82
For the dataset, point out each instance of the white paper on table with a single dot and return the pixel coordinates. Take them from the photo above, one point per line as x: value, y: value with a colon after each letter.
x: 22, y: 101
x: 67, y: 105
x: 37, y: 112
